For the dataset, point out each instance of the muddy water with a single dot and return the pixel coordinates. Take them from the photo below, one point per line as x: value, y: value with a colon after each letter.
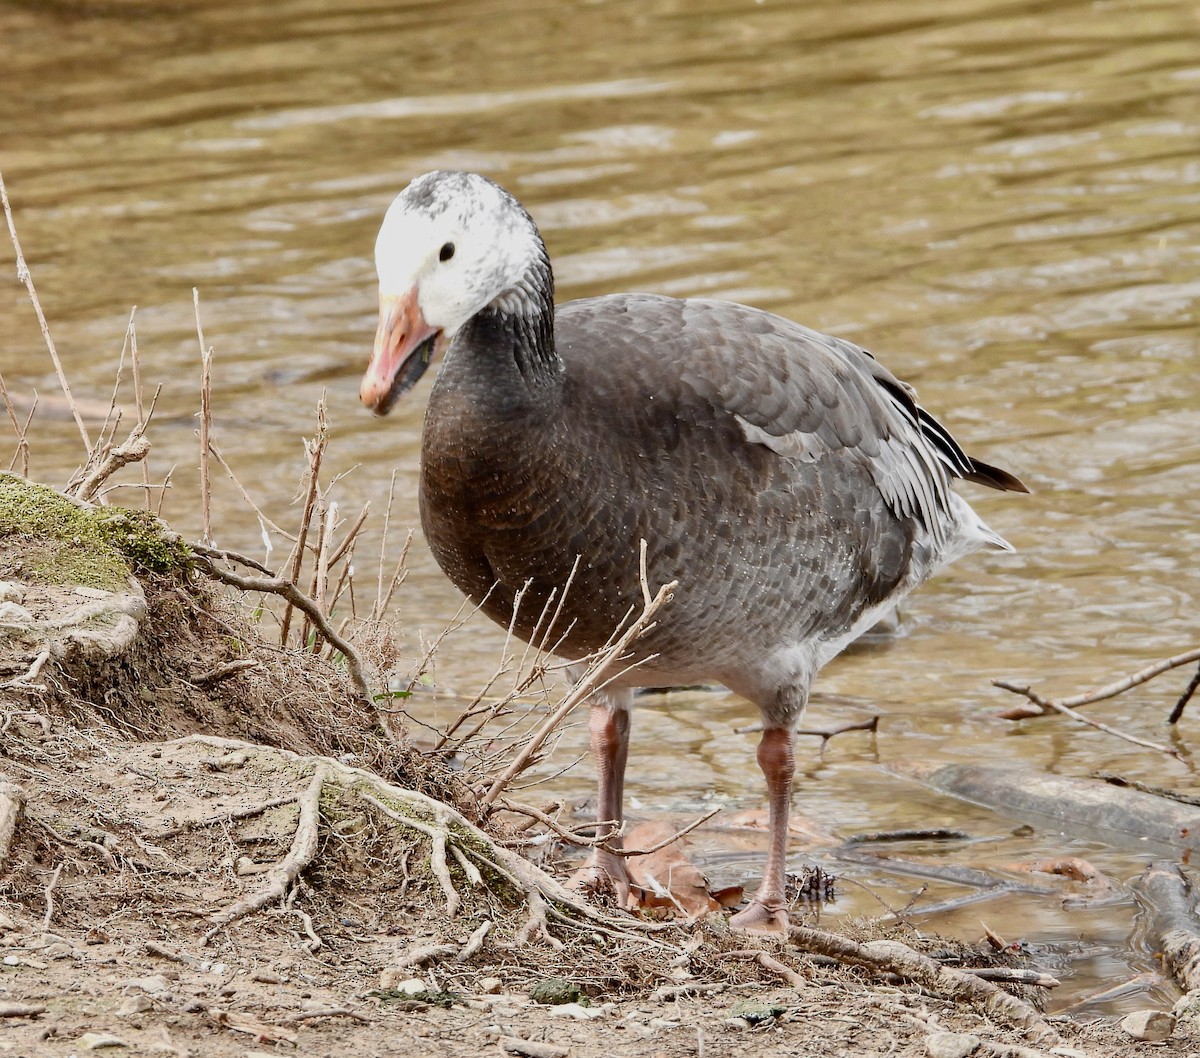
x: 1002, y: 200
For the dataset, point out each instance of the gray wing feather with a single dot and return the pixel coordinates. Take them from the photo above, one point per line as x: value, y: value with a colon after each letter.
x: 802, y: 394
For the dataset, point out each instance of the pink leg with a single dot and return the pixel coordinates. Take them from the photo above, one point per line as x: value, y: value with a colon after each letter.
x: 608, y: 726
x: 768, y: 910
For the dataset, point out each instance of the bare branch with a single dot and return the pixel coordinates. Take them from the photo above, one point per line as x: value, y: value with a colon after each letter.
x: 205, y: 557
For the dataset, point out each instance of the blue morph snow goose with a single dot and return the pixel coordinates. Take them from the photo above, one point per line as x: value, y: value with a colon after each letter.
x: 789, y: 482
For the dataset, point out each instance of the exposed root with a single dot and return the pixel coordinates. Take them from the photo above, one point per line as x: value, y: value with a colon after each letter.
x: 283, y: 875
x: 886, y: 956
x: 449, y: 833
x: 12, y: 805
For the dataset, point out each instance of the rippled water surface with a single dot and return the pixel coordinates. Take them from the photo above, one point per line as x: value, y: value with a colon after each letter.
x: 1001, y: 200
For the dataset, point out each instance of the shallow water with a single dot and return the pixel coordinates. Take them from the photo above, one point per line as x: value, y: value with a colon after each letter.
x: 1001, y: 200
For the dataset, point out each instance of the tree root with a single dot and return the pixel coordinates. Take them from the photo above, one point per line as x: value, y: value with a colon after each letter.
x: 552, y: 908
x: 283, y: 875
x: 450, y: 835
x: 12, y: 804
x: 886, y: 956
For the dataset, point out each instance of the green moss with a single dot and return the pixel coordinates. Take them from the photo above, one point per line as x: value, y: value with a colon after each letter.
x: 139, y: 536
x: 63, y: 543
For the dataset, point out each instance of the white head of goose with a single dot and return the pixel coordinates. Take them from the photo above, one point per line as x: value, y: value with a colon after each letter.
x: 789, y: 483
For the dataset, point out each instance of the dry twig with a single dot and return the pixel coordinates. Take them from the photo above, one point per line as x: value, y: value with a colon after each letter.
x: 1109, y: 690
x: 207, y: 557
x: 206, y: 354
x: 24, y: 276
x: 888, y: 956
x: 48, y: 895
x: 1047, y: 705
x: 591, y: 681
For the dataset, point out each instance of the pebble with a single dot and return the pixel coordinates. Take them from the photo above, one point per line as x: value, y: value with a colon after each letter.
x: 489, y: 986
x: 951, y: 1045
x: 1151, y: 1025
x: 1187, y: 1005
x: 756, y: 1011
x: 93, y: 1041
x: 736, y: 1024
x: 577, y: 1012
x: 152, y: 985
x: 392, y: 979
x: 132, y: 1005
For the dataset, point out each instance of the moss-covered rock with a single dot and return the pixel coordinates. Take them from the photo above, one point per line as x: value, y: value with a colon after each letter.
x: 67, y: 543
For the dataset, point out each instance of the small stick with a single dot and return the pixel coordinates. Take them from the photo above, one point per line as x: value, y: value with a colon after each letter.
x: 163, y: 952
x: 48, y: 893
x: 326, y: 1012
x: 1110, y: 690
x: 296, y: 598
x: 205, y: 424
x: 24, y: 276
x: 21, y: 1010
x: 474, y: 942
x: 887, y: 956
x: 1013, y: 975
x: 425, y: 953
x: 224, y: 672
x: 233, y: 816
x: 1188, y: 691
x: 134, y: 449
x: 589, y: 682
x: 22, y: 452
x: 216, y: 454
x: 768, y: 962
x: 665, y: 841
x: 530, y: 1048
x: 823, y: 733
x: 315, y: 450
x: 351, y: 534
x: 138, y: 392
x: 1066, y: 710
x: 283, y: 875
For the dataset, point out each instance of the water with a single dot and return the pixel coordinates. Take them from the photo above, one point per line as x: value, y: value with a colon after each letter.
x: 1002, y: 200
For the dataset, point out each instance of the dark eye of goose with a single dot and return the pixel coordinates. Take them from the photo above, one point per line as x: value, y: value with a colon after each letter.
x: 447, y: 252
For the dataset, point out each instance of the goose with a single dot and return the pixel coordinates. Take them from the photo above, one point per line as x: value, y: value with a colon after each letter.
x: 786, y: 480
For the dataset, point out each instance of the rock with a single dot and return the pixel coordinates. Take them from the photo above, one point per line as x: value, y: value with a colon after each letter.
x: 132, y: 1005
x: 1187, y: 1006
x: 392, y: 979
x: 951, y: 1045
x: 1151, y: 1025
x: 736, y: 1024
x: 756, y: 1011
x: 574, y: 1010
x: 489, y: 986
x: 556, y: 990
x: 93, y: 1041
x: 151, y: 985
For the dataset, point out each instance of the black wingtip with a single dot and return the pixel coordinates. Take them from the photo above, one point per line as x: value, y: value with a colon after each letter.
x: 994, y: 477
